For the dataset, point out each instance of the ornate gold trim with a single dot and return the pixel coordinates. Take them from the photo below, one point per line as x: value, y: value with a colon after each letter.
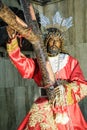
x: 12, y: 46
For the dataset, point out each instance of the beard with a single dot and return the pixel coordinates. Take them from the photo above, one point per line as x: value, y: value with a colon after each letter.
x: 53, y: 51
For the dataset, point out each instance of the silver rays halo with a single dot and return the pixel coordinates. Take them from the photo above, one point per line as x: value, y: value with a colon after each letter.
x: 58, y: 21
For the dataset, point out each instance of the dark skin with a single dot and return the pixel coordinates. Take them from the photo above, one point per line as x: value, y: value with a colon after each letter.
x: 53, y: 46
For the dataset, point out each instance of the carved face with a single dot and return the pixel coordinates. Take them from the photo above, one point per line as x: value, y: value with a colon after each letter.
x: 53, y: 46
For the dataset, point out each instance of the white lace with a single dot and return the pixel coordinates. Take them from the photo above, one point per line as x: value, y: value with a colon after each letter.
x: 58, y: 62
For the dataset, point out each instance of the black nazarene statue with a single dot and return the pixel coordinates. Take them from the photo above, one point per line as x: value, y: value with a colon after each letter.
x: 55, y: 71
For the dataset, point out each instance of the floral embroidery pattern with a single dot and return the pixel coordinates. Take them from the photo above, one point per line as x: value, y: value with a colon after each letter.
x: 42, y: 115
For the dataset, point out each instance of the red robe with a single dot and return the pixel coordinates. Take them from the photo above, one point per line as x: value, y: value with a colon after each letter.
x: 42, y: 115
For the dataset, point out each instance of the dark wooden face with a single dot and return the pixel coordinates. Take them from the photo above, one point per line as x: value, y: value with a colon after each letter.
x: 54, y: 45
x: 54, y: 42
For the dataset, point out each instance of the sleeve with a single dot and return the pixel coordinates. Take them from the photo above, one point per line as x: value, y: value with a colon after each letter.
x: 76, y: 73
x: 26, y: 66
x: 77, y: 88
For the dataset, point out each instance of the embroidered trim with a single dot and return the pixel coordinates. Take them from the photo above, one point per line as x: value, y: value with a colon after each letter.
x: 75, y: 92
x: 69, y: 98
x: 83, y: 88
x: 43, y: 116
x: 12, y: 46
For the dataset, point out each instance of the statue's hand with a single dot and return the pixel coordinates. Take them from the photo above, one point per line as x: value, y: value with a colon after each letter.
x: 11, y: 33
x: 56, y: 94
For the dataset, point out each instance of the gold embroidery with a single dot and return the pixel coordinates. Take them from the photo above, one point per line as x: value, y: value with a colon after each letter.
x: 69, y: 98
x: 83, y: 90
x: 34, y: 108
x: 43, y: 115
x: 36, y: 117
x: 12, y: 46
x: 44, y: 126
x: 79, y: 91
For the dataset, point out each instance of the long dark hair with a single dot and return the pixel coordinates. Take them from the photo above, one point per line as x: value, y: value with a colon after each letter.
x: 52, y: 32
